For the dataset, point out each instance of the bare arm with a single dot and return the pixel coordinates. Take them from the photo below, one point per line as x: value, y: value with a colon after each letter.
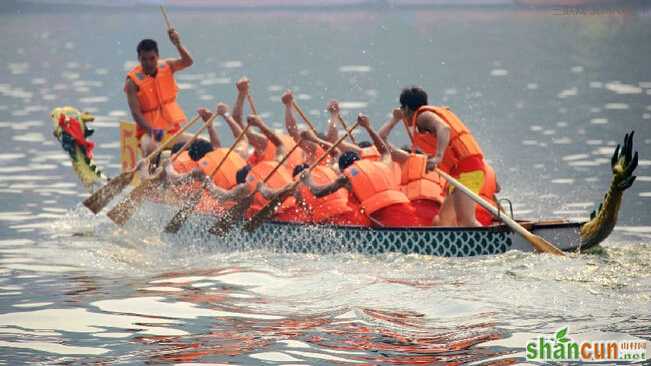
x: 430, y: 122
x: 391, y: 123
x: 324, y: 190
x: 220, y: 194
x: 185, y: 60
x: 290, y: 123
x: 332, y: 134
x: 398, y: 155
x: 379, y: 143
x: 238, y: 107
x: 268, y: 133
x: 271, y: 193
x: 134, y: 105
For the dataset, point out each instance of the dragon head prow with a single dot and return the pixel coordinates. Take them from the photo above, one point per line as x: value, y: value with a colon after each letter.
x: 69, y: 112
x: 71, y: 131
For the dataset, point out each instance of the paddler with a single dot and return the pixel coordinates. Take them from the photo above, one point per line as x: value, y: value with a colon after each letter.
x: 425, y: 190
x: 222, y: 187
x: 264, y: 149
x: 151, y: 93
x: 311, y: 150
x: 255, y: 174
x: 451, y: 147
x: 371, y: 183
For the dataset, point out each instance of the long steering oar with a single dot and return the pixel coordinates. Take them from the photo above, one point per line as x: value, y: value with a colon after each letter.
x: 123, y: 211
x: 104, y: 195
x: 227, y: 220
x: 536, y: 241
x: 175, y: 224
x: 268, y: 210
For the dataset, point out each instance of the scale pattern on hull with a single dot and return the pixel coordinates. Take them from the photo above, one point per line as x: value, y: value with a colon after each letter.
x: 325, y: 240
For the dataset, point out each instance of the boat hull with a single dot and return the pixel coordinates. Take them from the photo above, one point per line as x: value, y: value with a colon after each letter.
x: 321, y: 239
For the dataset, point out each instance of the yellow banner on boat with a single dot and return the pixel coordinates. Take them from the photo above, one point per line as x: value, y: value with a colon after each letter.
x: 130, y: 152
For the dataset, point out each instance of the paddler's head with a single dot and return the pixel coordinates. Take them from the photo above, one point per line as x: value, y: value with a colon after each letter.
x: 364, y: 144
x: 412, y: 98
x: 148, y: 56
x: 240, y: 175
x: 198, y: 149
x: 347, y: 159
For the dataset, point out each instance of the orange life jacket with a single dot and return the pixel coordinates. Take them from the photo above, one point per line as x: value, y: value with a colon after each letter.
x: 462, y: 144
x: 296, y: 158
x: 225, y: 176
x: 370, y: 153
x: 417, y: 184
x: 183, y: 163
x: 318, y: 152
x: 328, y: 206
x: 281, y: 178
x: 157, y: 97
x: 373, y: 185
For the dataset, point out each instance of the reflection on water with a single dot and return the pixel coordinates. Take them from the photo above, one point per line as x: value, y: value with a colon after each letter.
x: 549, y: 98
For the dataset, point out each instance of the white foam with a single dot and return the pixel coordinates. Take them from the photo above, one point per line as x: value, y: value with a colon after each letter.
x: 355, y: 68
x: 353, y: 105
x: 499, y: 72
x: 274, y: 357
x: 161, y: 289
x: 616, y: 106
x: 599, y: 121
x: 215, y: 81
x: 92, y: 100
x: 56, y: 348
x: 568, y: 93
x: 563, y: 181
x: 575, y: 157
x: 29, y: 137
x: 577, y: 69
x: 32, y: 305
x: 232, y: 64
x: 532, y: 86
x: 645, y: 194
x: 621, y: 88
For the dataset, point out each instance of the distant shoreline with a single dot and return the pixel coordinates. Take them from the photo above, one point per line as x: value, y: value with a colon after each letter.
x: 298, y: 5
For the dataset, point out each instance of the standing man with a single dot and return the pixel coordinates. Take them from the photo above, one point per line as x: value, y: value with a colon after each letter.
x: 151, y: 93
x: 450, y: 147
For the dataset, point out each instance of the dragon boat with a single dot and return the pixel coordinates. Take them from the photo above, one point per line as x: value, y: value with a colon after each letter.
x: 325, y: 239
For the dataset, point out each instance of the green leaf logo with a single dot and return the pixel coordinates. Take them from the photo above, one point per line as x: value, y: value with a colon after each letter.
x: 560, y: 336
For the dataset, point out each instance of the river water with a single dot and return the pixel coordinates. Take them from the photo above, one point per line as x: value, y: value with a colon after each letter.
x: 548, y: 95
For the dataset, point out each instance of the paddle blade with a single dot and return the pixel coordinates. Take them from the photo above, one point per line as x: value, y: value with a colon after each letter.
x: 543, y: 245
x: 98, y: 200
x: 264, y: 214
x: 123, y: 211
x: 183, y: 214
x: 226, y: 221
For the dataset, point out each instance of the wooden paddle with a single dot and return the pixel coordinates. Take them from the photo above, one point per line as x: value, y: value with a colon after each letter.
x: 268, y: 210
x: 167, y: 20
x: 343, y: 123
x: 536, y: 241
x: 104, y: 195
x: 175, y: 224
x: 304, y: 117
x: 123, y: 211
x: 227, y: 220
